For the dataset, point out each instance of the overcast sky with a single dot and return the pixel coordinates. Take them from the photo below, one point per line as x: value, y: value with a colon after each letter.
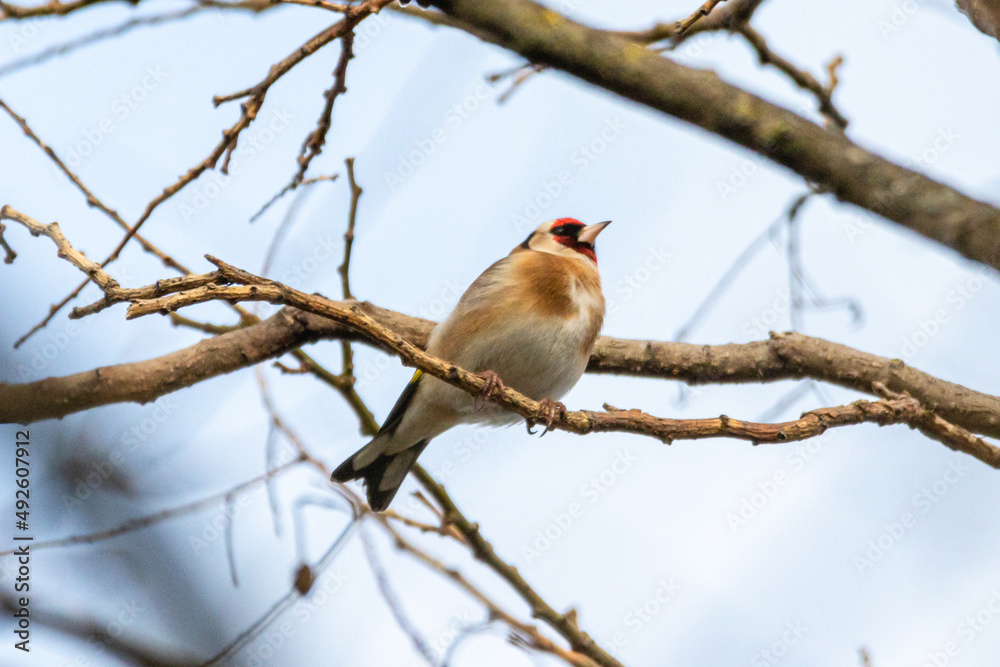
x: 702, y: 553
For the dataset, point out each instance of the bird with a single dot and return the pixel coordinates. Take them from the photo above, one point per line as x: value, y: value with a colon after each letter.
x: 529, y: 321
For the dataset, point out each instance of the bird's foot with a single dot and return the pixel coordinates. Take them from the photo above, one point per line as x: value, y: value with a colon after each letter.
x: 494, y: 386
x: 547, y: 411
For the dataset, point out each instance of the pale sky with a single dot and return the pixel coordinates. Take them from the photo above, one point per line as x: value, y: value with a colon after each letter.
x: 702, y: 553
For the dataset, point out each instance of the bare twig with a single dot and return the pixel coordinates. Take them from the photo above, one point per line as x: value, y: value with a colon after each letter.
x: 528, y: 632
x: 579, y: 640
x: 738, y: 265
x: 801, y: 78
x: 92, y: 199
x: 352, y: 216
x: 724, y: 17
x: 782, y: 357
x: 389, y: 595
x: 179, y: 320
x: 829, y: 159
x: 50, y: 8
x: 150, y: 520
x: 93, y: 633
x: 288, y: 188
x: 283, y: 603
x: 9, y: 254
x: 684, y: 24
x: 230, y: 137
x: 313, y: 144
x: 936, y: 428
x: 98, y: 36
x: 255, y: 288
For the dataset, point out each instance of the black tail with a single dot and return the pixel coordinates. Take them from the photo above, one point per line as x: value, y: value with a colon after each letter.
x: 383, y: 476
x: 384, y: 473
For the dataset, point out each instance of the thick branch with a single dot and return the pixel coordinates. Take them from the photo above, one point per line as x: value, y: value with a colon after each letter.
x: 253, y: 288
x: 827, y: 158
x: 783, y: 357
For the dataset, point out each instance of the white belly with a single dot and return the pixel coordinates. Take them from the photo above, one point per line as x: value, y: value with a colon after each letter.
x: 540, y: 359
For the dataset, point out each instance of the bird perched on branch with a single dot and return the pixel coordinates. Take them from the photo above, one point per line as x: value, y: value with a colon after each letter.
x: 529, y: 321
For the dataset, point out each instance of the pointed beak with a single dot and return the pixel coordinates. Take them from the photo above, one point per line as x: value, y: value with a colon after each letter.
x: 589, y: 233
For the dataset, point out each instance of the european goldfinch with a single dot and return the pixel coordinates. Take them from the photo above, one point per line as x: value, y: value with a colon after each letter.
x: 530, y: 320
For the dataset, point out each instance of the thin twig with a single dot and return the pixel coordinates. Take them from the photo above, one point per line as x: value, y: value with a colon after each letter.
x: 150, y: 520
x: 288, y: 188
x: 684, y: 24
x: 801, y: 78
x: 352, y: 216
x: 92, y: 199
x: 230, y: 137
x: 784, y: 356
x: 249, y: 287
x: 483, y: 551
x: 179, y: 320
x: 533, y: 637
x: 391, y: 599
x: 737, y: 265
x: 98, y: 36
x: 313, y: 144
x: 9, y: 254
x: 937, y: 428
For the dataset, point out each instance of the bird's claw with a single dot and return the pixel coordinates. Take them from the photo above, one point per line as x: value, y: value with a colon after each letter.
x: 494, y: 386
x: 547, y: 411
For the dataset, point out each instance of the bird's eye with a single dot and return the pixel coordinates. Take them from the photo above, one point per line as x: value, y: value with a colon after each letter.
x: 562, y: 230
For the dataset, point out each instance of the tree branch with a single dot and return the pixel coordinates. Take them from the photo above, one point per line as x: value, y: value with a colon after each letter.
x: 784, y: 356
x: 564, y: 624
x: 249, y: 287
x: 827, y: 158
